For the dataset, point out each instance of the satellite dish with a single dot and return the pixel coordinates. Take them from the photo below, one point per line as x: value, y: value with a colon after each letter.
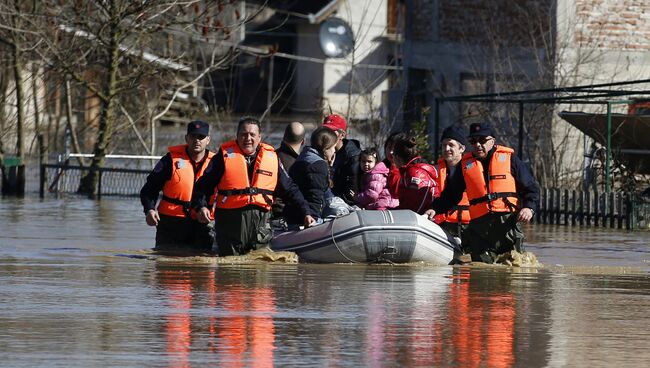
x: 336, y: 38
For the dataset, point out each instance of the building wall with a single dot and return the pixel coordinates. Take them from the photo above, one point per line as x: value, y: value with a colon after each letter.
x: 600, y: 41
x: 482, y: 46
x: 463, y: 48
x: 362, y: 99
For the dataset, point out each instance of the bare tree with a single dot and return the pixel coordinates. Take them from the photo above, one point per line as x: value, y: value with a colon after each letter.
x: 123, y: 53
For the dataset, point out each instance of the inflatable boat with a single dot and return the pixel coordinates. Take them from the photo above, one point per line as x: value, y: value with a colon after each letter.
x: 394, y: 236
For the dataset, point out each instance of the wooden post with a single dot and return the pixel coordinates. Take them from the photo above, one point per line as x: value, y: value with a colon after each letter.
x: 596, y: 207
x: 629, y: 214
x: 99, y: 185
x: 41, y: 182
x: 551, y: 217
x: 619, y: 217
x: 588, y: 207
x: 566, y: 207
x: 573, y: 208
x: 558, y: 196
x: 582, y: 208
x: 612, y: 207
x: 542, y: 206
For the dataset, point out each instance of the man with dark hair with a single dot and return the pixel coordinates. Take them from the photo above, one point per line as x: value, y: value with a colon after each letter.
x: 501, y: 192
x: 453, y: 144
x: 345, y: 170
x: 246, y: 176
x: 175, y: 175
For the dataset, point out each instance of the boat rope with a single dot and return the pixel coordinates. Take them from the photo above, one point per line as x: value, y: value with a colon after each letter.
x: 336, y: 245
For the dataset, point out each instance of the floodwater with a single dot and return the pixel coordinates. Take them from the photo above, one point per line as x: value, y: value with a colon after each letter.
x: 71, y: 297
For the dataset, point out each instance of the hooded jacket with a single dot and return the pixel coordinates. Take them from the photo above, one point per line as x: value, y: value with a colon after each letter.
x: 310, y: 172
x: 345, y: 170
x: 374, y: 193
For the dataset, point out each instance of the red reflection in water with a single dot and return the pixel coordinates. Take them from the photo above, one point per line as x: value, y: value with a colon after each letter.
x: 240, y: 333
x: 471, y: 325
x: 248, y: 332
x: 178, y: 323
x: 480, y: 325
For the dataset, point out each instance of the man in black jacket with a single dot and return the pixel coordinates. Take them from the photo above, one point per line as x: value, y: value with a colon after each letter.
x: 292, y: 141
x: 345, y: 170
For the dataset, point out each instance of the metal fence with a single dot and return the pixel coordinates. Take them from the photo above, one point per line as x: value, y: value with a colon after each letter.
x: 557, y: 206
x: 62, y: 178
x: 586, y: 208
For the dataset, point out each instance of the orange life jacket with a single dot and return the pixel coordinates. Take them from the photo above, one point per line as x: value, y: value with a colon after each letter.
x: 460, y: 212
x: 500, y: 193
x: 177, y: 191
x: 235, y: 190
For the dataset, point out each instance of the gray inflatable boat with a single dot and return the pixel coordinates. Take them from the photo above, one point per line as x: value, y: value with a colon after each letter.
x: 394, y: 236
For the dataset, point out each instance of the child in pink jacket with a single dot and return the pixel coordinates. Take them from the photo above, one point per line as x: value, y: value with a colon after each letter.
x: 374, y: 194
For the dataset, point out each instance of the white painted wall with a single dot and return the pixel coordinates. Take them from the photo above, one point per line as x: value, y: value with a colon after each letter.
x: 368, y: 20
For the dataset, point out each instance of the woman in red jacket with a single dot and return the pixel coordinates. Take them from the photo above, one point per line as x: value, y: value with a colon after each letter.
x: 418, y: 182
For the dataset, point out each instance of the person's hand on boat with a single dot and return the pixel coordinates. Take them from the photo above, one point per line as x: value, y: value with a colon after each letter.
x: 203, y: 215
x: 152, y: 218
x: 309, y: 221
x: 525, y: 215
x: 430, y: 214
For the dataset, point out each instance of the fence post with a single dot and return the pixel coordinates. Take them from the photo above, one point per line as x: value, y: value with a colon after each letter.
x: 573, y: 208
x: 566, y: 207
x: 631, y: 211
x: 99, y: 185
x: 551, y: 207
x: 545, y: 204
x: 558, y: 206
x: 41, y: 182
x: 588, y: 208
x: 619, y: 217
x: 581, y: 203
x: 596, y: 208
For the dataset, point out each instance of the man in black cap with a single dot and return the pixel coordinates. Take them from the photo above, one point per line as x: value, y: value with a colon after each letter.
x: 177, y: 230
x: 453, y: 144
x: 502, y: 193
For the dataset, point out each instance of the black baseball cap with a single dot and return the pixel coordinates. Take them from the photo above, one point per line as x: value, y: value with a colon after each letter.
x: 481, y: 130
x: 198, y: 127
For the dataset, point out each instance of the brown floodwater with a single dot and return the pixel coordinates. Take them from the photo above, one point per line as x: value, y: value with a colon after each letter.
x: 79, y: 287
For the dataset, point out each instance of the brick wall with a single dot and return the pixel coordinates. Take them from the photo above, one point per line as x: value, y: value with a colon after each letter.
x: 422, y: 14
x: 512, y: 23
x: 613, y: 24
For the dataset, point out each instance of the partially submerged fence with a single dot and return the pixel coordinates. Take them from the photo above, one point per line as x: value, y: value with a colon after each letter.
x: 586, y: 208
x: 557, y: 206
x: 63, y: 178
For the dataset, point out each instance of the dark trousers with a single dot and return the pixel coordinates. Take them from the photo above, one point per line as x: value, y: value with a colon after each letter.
x: 241, y: 230
x: 183, y: 235
x: 493, y: 234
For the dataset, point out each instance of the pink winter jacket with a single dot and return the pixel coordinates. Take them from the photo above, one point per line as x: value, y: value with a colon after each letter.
x: 374, y: 194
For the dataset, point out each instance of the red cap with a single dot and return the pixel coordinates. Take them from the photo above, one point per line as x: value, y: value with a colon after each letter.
x: 335, y: 122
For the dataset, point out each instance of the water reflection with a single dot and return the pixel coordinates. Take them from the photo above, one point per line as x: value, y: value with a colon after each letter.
x: 67, y: 300
x: 232, y: 321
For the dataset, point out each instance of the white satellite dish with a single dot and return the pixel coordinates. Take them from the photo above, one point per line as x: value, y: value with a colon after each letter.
x: 336, y: 38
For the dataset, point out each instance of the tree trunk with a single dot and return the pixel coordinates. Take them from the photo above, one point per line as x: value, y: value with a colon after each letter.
x: 88, y: 184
